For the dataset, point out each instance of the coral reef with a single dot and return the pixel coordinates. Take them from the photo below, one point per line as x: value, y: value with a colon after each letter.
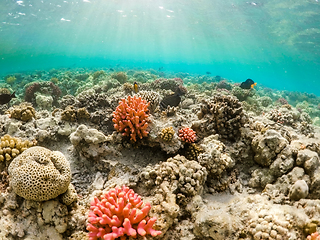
x: 131, y: 118
x: 167, y: 84
x: 193, y: 151
x: 39, y: 174
x: 167, y: 133
x: 120, y: 76
x: 42, y: 94
x: 91, y: 143
x: 187, y: 135
x: 120, y: 212
x: 10, y: 79
x: 253, y: 171
x: 152, y: 97
x: 267, y: 146
x: 71, y: 114
x: 23, y: 112
x: 184, y: 177
x: 10, y: 147
x: 222, y: 115
x: 214, y: 158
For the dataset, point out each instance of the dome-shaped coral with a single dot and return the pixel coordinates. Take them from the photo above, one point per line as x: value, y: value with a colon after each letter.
x: 39, y: 174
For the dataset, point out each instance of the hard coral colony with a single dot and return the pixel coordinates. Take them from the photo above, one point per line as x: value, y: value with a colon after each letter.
x: 120, y: 212
x: 187, y: 135
x: 131, y: 117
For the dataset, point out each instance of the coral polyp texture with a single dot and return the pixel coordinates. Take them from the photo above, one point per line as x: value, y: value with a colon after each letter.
x: 131, y: 117
x: 40, y: 174
x: 167, y: 133
x: 223, y: 115
x: 120, y: 213
x: 187, y: 135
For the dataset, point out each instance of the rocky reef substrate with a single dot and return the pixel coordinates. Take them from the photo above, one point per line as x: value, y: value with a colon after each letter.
x: 225, y: 163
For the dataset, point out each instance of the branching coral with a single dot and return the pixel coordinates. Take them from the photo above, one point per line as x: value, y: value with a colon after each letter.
x: 167, y: 133
x: 152, y: 97
x: 187, y: 135
x: 120, y: 212
x: 314, y: 236
x: 131, y: 117
x: 10, y: 147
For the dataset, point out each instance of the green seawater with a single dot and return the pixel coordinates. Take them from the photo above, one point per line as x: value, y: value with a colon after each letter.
x: 274, y: 42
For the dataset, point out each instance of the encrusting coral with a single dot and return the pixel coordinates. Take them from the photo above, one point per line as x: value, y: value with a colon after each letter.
x: 120, y: 212
x: 91, y: 143
x: 214, y: 158
x: 24, y: 112
x: 186, y: 178
x: 40, y: 174
x: 131, y: 117
x: 71, y: 114
x: 167, y: 133
x: 10, y: 147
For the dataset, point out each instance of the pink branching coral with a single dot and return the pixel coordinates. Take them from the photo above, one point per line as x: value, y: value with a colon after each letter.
x: 187, y: 135
x: 120, y: 212
x: 131, y: 117
x: 314, y: 236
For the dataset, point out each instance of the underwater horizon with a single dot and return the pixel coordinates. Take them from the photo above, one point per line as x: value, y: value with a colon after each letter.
x: 275, y: 43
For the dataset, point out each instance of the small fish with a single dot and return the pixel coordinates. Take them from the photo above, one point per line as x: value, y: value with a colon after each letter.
x: 5, y: 97
x: 111, y: 69
x: 160, y: 68
x: 248, y: 84
x: 208, y: 73
x: 135, y: 87
x: 173, y: 100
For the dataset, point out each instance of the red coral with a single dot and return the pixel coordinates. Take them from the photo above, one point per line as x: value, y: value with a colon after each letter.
x: 131, y: 117
x: 314, y: 236
x: 187, y: 135
x: 119, y: 213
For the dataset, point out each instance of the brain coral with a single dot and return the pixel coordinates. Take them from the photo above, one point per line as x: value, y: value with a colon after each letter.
x: 40, y: 174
